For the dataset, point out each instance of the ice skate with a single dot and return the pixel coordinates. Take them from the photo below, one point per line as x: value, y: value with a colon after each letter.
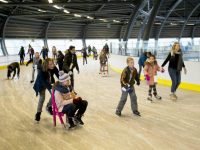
x: 118, y: 113
x: 173, y: 96
x: 77, y: 119
x: 37, y: 117
x: 31, y: 81
x: 136, y: 113
x: 71, y: 123
x: 49, y: 110
x: 149, y: 99
x: 158, y: 97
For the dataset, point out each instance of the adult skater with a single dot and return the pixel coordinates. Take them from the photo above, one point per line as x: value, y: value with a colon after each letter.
x: 60, y: 60
x: 141, y: 61
x: 54, y: 52
x: 89, y: 50
x: 43, y: 52
x: 70, y: 62
x: 44, y: 80
x: 47, y: 51
x: 175, y: 58
x: 84, y: 55
x: 30, y: 51
x: 12, y: 67
x: 128, y: 77
x: 66, y: 100
x: 22, y: 55
x: 106, y: 49
x: 37, y: 63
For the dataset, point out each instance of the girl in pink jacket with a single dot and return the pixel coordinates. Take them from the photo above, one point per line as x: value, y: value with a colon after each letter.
x: 150, y: 71
x: 66, y: 100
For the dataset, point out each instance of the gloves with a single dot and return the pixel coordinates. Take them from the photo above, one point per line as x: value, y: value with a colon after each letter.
x: 79, y: 98
x: 75, y: 100
x: 147, y: 77
x: 128, y: 89
x: 70, y: 73
x: 162, y: 69
x: 78, y: 72
x: 185, y: 70
x: 138, y: 83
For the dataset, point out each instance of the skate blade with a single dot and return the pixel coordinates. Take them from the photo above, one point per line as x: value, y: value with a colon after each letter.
x: 149, y: 101
x: 137, y: 115
x: 49, y: 113
x: 159, y: 99
x: 36, y: 122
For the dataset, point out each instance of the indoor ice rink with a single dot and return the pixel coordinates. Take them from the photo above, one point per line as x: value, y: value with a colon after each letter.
x: 122, y: 29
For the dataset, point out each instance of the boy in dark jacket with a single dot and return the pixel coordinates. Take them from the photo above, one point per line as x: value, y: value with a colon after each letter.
x: 70, y: 62
x: 22, y: 55
x: 141, y: 61
x: 128, y: 77
x: 12, y: 67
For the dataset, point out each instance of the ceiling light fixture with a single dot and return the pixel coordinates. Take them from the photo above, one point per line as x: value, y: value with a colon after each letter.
x: 3, y: 1
x: 115, y: 21
x: 41, y: 10
x: 102, y: 19
x: 76, y: 15
x: 66, y: 11
x: 190, y: 24
x: 56, y: 6
x: 173, y: 23
x: 158, y: 23
x: 90, y: 17
x: 50, y: 1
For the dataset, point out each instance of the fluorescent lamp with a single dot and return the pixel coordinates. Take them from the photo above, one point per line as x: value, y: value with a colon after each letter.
x: 76, y: 15
x: 158, y: 23
x: 103, y: 19
x: 115, y: 21
x: 190, y: 24
x: 173, y: 23
x: 56, y: 6
x: 182, y: 21
x: 50, y: 1
x: 3, y: 1
x: 90, y: 17
x: 41, y: 10
x: 66, y: 11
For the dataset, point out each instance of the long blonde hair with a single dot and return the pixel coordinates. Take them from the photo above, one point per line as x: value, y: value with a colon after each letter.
x: 174, y: 45
x: 45, y: 65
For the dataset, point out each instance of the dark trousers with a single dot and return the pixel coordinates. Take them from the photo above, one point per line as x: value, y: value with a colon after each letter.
x: 71, y: 109
x: 72, y: 80
x: 44, y: 56
x: 60, y: 66
x: 154, y: 89
x: 140, y: 69
x: 9, y: 72
x: 175, y: 77
x: 54, y: 56
x: 84, y: 59
x: 21, y: 59
x: 31, y: 56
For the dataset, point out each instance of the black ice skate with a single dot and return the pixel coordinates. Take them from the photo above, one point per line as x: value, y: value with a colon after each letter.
x: 137, y: 113
x: 71, y: 123
x: 149, y: 99
x: 37, y: 117
x: 118, y: 113
x: 31, y: 81
x: 49, y: 110
x: 77, y: 119
x: 158, y: 97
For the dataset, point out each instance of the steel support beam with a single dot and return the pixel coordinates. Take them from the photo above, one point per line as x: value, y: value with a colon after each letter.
x: 152, y: 17
x: 3, y: 45
x: 66, y: 3
x: 166, y: 17
x: 193, y: 30
x: 120, y: 33
x: 185, y: 22
x: 46, y: 34
x: 139, y: 6
x: 84, y: 35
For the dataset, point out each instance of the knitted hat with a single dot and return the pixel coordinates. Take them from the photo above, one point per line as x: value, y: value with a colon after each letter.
x: 63, y: 76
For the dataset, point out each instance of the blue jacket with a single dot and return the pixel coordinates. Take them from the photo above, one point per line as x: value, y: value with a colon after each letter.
x: 142, y: 59
x: 42, y: 79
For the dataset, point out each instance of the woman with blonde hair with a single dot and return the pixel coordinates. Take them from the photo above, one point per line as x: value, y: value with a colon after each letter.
x: 175, y: 58
x: 44, y: 80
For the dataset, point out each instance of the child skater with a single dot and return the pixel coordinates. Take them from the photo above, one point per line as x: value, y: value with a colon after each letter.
x: 150, y: 71
x: 103, y: 59
x: 66, y: 100
x: 128, y: 77
x: 44, y: 80
x: 37, y: 63
x: 12, y: 67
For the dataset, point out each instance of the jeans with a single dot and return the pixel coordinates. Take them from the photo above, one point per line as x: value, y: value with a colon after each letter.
x: 31, y: 56
x: 70, y: 109
x: 175, y: 77
x: 84, y: 59
x: 123, y: 100
x: 140, y: 69
x: 33, y: 73
x: 21, y: 59
x: 42, y: 99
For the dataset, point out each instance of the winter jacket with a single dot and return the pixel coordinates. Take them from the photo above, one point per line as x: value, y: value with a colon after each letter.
x: 42, y: 79
x: 68, y: 61
x: 38, y: 62
x: 31, y: 51
x: 89, y: 49
x: 43, y: 52
x: 54, y: 50
x: 15, y: 65
x: 60, y: 59
x: 151, y: 70
x: 125, y: 77
x: 142, y: 59
x: 106, y: 48
x: 84, y: 52
x: 62, y: 99
x: 21, y: 52
x: 103, y: 57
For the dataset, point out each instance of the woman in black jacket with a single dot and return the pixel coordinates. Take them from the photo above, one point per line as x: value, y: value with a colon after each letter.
x: 44, y: 80
x: 22, y: 55
x: 60, y: 60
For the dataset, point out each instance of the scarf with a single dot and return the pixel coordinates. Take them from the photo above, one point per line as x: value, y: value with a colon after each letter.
x: 63, y: 89
x: 180, y: 59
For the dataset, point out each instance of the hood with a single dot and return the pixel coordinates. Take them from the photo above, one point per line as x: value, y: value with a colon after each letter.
x: 149, y: 64
x: 66, y: 51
